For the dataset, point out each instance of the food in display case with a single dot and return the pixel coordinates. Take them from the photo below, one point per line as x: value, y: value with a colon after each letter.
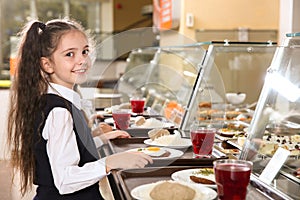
x: 274, y: 131
x: 272, y: 142
x: 173, y: 112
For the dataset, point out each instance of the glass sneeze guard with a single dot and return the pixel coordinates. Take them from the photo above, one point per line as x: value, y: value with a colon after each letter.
x: 276, y: 121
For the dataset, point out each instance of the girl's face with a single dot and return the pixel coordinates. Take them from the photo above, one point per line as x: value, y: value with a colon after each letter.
x: 70, y: 61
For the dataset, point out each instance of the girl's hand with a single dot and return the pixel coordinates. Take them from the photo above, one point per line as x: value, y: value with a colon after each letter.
x: 101, y: 128
x: 116, y: 134
x: 113, y: 134
x: 127, y: 160
x: 105, y: 127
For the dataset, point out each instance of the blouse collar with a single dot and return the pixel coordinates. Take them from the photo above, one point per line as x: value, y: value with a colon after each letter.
x: 66, y: 93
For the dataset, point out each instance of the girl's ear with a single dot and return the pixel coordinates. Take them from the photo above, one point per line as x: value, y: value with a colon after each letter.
x: 46, y: 65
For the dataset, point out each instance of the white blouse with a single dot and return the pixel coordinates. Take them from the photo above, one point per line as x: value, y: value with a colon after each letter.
x: 62, y: 148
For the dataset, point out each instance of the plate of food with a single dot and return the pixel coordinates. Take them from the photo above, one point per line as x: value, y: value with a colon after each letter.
x: 228, y: 132
x: 159, y: 152
x: 172, y: 190
x: 150, y: 123
x: 163, y: 138
x: 199, y: 176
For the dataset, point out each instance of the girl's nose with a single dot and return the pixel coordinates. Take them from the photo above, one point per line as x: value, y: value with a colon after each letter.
x: 82, y: 59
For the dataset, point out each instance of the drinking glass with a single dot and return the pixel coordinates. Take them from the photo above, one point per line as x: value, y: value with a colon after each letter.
x: 121, y: 118
x: 232, y: 178
x: 137, y: 105
x: 202, y: 139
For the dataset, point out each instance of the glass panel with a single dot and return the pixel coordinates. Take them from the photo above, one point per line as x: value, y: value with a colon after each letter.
x: 243, y: 67
x: 276, y: 121
x: 231, y: 68
x: 164, y: 76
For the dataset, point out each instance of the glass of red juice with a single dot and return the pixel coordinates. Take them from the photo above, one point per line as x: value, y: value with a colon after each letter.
x: 137, y: 105
x: 232, y: 178
x: 202, y: 140
x: 121, y: 118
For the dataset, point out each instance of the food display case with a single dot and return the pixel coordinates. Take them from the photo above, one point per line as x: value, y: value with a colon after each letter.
x: 164, y: 76
x: 229, y: 68
x: 274, y: 133
x: 194, y: 80
x: 178, y: 82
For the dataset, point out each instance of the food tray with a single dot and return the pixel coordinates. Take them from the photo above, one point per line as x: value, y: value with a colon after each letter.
x: 131, y: 178
x: 124, y: 144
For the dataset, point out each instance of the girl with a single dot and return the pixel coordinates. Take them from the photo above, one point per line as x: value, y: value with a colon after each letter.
x: 51, y: 143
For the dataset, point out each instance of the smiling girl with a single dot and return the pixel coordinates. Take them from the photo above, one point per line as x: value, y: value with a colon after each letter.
x: 51, y: 142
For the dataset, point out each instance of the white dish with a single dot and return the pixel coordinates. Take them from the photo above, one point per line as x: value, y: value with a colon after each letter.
x: 185, y: 143
x: 142, y: 192
x: 236, y: 98
x: 174, y: 153
x: 184, y: 176
x: 111, y: 120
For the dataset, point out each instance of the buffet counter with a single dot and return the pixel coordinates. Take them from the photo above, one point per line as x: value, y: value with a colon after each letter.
x: 123, y: 183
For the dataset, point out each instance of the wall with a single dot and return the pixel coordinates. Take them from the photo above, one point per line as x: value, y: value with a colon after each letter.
x: 230, y: 14
x: 118, y: 15
x: 289, y: 18
x: 4, y: 94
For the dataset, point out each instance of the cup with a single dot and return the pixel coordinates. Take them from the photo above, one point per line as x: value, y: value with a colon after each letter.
x: 137, y: 105
x: 232, y: 178
x: 121, y: 118
x: 202, y: 140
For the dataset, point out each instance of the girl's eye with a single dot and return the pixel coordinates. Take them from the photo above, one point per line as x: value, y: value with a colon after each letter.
x: 70, y: 54
x: 85, y: 52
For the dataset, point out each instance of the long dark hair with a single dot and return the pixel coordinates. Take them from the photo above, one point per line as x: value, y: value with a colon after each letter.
x: 30, y: 83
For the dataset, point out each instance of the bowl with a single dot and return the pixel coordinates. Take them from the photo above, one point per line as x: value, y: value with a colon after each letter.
x: 235, y: 98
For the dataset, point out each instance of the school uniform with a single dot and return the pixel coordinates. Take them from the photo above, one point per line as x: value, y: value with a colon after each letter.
x: 66, y: 158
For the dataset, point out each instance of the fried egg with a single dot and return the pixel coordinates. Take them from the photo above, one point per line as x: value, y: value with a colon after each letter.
x: 153, y: 151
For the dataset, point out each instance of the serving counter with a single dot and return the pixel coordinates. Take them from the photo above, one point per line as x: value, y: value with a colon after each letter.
x: 190, y: 83
x: 122, y: 182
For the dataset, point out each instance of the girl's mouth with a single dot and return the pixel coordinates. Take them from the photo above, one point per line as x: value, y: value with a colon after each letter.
x: 80, y: 70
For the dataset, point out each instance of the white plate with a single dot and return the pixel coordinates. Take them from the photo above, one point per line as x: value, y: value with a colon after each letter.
x: 184, y: 176
x: 186, y: 142
x: 174, y: 153
x: 142, y: 192
x: 111, y: 120
x: 165, y: 125
x: 228, y: 132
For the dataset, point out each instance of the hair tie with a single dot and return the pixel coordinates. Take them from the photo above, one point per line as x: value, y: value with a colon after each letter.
x: 42, y: 26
